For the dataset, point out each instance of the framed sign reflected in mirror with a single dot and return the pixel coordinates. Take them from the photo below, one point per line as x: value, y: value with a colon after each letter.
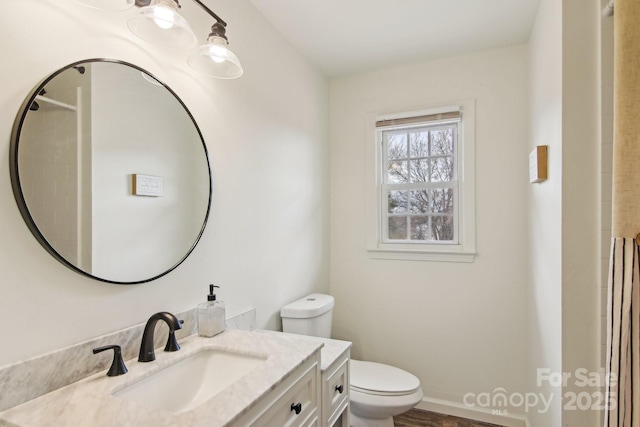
x: 80, y: 144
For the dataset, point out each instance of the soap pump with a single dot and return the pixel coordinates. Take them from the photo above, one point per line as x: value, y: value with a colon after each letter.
x: 211, y: 315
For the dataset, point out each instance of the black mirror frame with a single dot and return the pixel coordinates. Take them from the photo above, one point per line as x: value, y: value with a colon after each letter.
x: 17, y: 189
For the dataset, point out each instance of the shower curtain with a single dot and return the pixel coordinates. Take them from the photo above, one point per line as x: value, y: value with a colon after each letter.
x: 623, y: 306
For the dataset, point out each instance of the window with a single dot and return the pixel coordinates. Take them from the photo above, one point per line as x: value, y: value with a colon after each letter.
x: 424, y: 185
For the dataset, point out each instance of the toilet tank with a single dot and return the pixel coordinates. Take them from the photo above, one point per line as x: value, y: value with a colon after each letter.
x: 310, y: 315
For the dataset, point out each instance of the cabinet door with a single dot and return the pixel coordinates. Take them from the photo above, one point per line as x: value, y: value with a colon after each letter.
x: 315, y: 422
x: 297, y: 406
x: 335, y: 393
x: 337, y: 388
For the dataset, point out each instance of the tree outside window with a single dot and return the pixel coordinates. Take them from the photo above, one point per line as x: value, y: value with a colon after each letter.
x: 420, y: 183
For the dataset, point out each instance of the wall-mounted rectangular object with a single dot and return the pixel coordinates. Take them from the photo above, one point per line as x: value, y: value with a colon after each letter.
x: 538, y: 164
x: 147, y: 185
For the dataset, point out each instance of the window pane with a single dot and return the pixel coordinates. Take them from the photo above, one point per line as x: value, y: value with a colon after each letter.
x: 442, y: 200
x: 398, y: 227
x: 442, y: 142
x: 420, y: 228
x: 419, y: 202
x: 397, y: 202
x: 442, y: 227
x: 397, y: 145
x: 398, y: 172
x: 442, y: 169
x: 419, y: 171
x: 419, y: 144
x: 418, y: 190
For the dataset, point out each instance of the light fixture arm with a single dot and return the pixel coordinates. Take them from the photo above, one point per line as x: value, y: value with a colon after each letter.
x: 210, y: 12
x: 143, y: 3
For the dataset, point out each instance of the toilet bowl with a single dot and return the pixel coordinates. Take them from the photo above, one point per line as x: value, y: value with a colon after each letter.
x: 377, y: 391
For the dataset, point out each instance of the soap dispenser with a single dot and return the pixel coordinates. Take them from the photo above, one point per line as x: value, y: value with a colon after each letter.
x: 211, y: 315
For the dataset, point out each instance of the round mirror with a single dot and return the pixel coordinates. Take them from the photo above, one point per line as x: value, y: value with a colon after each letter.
x: 110, y: 171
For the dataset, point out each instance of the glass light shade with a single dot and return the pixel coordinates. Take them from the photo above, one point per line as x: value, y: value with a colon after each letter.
x: 108, y: 4
x: 216, y: 60
x: 161, y: 24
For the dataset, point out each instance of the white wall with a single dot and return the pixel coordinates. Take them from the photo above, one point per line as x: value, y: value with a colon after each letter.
x: 458, y: 327
x: 580, y: 201
x: 564, y: 234
x: 606, y: 158
x: 266, y: 241
x: 544, y: 295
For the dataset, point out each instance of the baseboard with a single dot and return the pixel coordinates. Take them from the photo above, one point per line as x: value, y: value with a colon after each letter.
x: 479, y: 414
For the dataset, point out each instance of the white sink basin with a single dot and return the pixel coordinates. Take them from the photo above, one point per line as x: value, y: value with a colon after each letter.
x: 189, y: 383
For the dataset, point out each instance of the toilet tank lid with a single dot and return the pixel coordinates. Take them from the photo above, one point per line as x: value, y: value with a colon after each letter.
x: 310, y: 306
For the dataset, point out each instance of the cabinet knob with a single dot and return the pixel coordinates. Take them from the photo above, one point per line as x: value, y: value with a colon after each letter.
x: 297, y: 407
x: 339, y: 389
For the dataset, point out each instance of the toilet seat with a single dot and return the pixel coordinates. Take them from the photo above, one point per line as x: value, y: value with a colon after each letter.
x: 381, y: 380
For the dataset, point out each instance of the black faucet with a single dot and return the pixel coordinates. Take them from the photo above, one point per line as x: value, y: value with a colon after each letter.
x: 147, y: 353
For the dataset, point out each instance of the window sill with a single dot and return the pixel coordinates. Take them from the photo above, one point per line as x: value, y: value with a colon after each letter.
x: 421, y: 254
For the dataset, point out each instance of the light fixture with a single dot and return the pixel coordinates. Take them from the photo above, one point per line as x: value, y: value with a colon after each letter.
x: 159, y: 22
x: 214, y: 58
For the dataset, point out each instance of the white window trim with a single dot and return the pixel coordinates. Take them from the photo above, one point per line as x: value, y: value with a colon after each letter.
x: 465, y: 250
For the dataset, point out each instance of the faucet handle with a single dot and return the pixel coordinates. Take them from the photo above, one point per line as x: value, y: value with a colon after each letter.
x: 117, y: 366
x: 172, y: 342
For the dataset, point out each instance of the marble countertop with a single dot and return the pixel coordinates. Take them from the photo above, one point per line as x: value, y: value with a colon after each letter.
x: 90, y: 401
x: 331, y: 349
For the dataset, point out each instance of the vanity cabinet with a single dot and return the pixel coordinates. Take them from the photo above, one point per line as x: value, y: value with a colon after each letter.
x: 293, y: 403
x: 282, y: 390
x: 333, y: 401
x: 335, y: 392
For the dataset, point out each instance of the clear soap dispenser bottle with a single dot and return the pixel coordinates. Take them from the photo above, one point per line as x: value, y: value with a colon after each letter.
x: 211, y: 315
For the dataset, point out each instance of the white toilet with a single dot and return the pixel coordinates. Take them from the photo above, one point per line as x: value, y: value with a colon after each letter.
x: 378, y: 392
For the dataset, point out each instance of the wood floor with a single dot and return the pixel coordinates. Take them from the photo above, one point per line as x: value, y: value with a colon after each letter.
x: 419, y: 418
